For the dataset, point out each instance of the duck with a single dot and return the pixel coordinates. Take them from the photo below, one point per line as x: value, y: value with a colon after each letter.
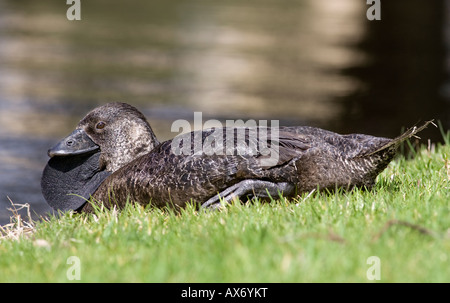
x: 113, y: 157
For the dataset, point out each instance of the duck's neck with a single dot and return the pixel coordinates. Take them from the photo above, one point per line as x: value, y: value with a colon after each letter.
x: 130, y: 146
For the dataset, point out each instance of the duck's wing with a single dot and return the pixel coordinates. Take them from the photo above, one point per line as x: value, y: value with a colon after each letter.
x: 283, y: 146
x: 267, y: 146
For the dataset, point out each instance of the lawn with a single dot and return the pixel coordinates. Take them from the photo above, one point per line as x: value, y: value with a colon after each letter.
x: 397, y: 232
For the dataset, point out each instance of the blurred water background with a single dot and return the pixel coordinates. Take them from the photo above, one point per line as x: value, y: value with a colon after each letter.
x: 304, y: 62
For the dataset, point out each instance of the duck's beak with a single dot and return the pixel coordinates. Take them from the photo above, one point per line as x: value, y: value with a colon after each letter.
x: 76, y: 143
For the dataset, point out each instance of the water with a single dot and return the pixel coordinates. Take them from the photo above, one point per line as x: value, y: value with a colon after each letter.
x: 313, y: 62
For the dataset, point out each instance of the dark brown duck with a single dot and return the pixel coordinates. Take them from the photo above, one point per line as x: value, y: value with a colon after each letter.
x: 113, y: 156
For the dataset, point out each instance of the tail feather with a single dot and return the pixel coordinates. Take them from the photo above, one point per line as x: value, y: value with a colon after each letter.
x: 406, y: 135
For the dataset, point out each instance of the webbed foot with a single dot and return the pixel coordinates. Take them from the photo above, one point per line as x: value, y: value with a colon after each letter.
x: 250, y: 187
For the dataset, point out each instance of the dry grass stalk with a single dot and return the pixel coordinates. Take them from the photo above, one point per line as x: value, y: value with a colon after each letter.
x: 18, y: 226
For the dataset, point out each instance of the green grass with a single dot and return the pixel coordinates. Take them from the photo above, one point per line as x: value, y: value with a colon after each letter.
x: 319, y: 237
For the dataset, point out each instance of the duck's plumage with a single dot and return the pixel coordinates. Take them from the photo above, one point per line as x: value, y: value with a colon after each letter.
x: 151, y: 172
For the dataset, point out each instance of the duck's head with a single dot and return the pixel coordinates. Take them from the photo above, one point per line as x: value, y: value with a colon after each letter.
x: 118, y: 130
x: 107, y: 138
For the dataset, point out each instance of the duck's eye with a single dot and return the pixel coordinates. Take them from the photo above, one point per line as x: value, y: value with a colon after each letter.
x: 100, y: 125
